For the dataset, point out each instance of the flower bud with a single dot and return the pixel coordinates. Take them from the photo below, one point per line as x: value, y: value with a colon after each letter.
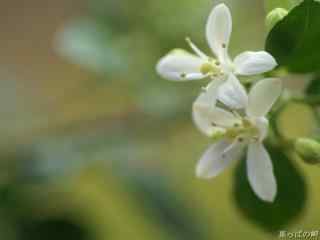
x: 275, y: 16
x: 308, y: 149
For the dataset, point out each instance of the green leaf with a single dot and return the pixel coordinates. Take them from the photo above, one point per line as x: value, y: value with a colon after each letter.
x: 290, y: 200
x: 293, y: 41
x: 313, y: 87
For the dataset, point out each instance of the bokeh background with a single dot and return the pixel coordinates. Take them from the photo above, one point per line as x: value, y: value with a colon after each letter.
x: 95, y: 146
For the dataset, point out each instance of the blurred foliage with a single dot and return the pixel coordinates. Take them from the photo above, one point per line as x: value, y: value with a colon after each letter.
x: 303, y: 113
x: 86, y: 43
x: 115, y: 157
x: 287, y: 4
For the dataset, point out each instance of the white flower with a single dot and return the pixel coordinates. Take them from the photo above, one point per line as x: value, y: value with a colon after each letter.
x: 180, y: 65
x: 238, y: 130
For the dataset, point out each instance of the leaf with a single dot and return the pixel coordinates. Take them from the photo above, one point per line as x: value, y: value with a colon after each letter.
x: 291, y: 196
x: 53, y: 228
x: 293, y: 41
x: 313, y: 87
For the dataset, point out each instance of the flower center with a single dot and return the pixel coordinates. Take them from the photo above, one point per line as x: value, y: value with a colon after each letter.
x: 243, y: 130
x: 211, y: 68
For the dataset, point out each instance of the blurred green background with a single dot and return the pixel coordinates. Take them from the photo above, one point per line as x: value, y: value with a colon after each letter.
x: 95, y: 146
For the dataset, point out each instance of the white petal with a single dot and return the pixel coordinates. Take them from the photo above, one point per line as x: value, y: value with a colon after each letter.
x: 203, y: 123
x: 179, y: 65
x: 260, y: 172
x: 216, y: 158
x: 211, y: 120
x: 263, y: 95
x: 203, y: 104
x: 251, y: 63
x: 206, y: 115
x: 208, y: 97
x: 218, y: 31
x: 233, y: 94
x: 262, y: 124
x: 223, y: 118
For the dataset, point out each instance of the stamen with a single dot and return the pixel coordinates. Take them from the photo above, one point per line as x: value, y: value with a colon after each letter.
x: 206, y: 68
x: 196, y: 49
x: 224, y: 45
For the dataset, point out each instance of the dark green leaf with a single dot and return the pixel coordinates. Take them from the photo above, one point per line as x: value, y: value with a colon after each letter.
x: 313, y: 87
x: 294, y: 40
x: 52, y: 229
x: 291, y: 196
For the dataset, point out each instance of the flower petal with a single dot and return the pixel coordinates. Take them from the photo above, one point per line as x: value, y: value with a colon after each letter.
x: 251, y: 63
x: 262, y: 124
x: 203, y: 104
x: 263, y: 95
x: 208, y: 97
x: 233, y: 94
x: 211, y: 120
x: 216, y: 158
x: 218, y: 31
x: 260, y: 172
x: 202, y: 121
x: 179, y: 65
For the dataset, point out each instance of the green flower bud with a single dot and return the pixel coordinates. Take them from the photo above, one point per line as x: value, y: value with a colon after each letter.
x: 308, y: 149
x: 275, y: 16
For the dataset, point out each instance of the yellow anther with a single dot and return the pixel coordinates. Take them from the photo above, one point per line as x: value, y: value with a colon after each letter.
x: 210, y: 68
x: 206, y: 68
